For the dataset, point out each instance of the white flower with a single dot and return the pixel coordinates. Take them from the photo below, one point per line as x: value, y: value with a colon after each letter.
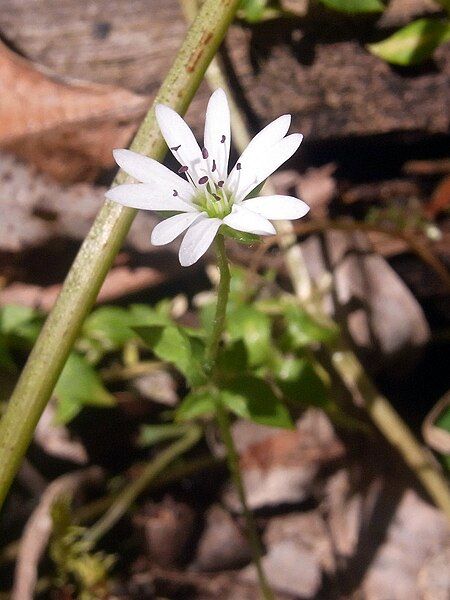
x: 209, y: 197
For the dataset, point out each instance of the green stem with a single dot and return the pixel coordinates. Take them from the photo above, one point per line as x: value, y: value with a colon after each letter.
x: 235, y: 471
x: 223, y: 420
x: 222, y: 301
x: 132, y: 491
x: 101, y: 245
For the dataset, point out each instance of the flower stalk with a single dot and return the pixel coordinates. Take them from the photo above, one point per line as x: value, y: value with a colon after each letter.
x: 223, y: 419
x: 100, y: 247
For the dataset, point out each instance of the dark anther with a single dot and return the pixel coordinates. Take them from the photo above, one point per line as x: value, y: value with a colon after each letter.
x: 205, y: 153
x: 238, y: 167
x: 216, y: 197
x: 220, y: 183
x: 175, y: 193
x: 222, y: 141
x: 213, y: 166
x: 203, y: 180
x: 175, y: 148
x: 183, y: 169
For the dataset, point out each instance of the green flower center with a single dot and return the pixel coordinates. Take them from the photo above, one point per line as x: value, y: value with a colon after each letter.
x: 213, y: 200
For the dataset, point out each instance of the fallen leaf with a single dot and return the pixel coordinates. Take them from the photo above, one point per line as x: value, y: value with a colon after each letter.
x: 68, y: 128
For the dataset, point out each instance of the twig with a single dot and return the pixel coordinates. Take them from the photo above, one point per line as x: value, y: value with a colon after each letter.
x: 38, y: 529
x: 101, y: 246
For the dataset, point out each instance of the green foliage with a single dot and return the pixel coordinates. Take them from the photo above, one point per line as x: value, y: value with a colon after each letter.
x: 19, y: 327
x: 253, y: 327
x: 255, y: 11
x: 413, y: 43
x: 254, y: 399
x: 76, y: 565
x: 241, y: 236
x: 302, y: 329
x: 300, y: 383
x: 198, y: 403
x: 79, y: 385
x: 150, y: 435
x: 173, y: 345
x: 355, y: 6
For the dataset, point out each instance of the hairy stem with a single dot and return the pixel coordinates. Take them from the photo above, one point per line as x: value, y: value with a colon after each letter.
x: 100, y: 247
x: 223, y: 420
x: 235, y: 471
x: 222, y: 301
x: 131, y: 492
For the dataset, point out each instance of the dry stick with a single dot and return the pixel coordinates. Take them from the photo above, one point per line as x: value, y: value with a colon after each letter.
x: 343, y: 358
x: 101, y: 246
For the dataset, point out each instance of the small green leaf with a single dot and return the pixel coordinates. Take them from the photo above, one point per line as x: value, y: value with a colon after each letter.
x: 199, y: 403
x: 143, y: 314
x: 299, y: 382
x: 172, y: 345
x: 109, y: 325
x: 233, y: 359
x: 413, y: 43
x: 355, y: 6
x: 443, y: 420
x: 150, y: 435
x: 302, y: 329
x: 79, y: 385
x: 254, y: 328
x: 240, y: 236
x: 253, y: 399
x: 13, y: 317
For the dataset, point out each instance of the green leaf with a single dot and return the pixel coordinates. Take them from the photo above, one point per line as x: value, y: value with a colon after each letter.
x: 240, y: 236
x: 443, y: 420
x: 254, y: 328
x: 79, y: 385
x: 143, y: 314
x: 354, y: 6
x: 413, y: 43
x: 253, y: 399
x: 299, y: 382
x: 233, y: 359
x: 150, y: 435
x: 13, y: 317
x: 199, y: 403
x: 302, y: 329
x: 171, y: 344
x: 110, y: 325
x: 253, y: 10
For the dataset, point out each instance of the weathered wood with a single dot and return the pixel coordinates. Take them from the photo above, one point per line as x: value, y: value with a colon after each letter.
x: 315, y: 67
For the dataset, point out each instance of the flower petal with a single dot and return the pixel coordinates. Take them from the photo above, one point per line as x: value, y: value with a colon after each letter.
x: 218, y: 134
x: 148, y: 197
x: 166, y: 231
x: 259, y: 166
x: 243, y: 219
x: 147, y: 170
x: 259, y: 145
x: 180, y: 139
x: 197, y: 240
x: 277, y: 207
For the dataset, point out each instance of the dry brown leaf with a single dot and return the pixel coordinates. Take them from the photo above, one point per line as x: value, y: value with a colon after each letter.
x: 68, y: 128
